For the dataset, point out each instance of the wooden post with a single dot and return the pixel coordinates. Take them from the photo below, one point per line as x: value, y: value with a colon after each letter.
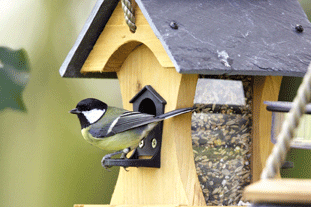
x: 265, y: 89
x: 176, y: 181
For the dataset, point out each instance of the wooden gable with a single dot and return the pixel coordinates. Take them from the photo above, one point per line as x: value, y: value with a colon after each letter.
x: 116, y: 42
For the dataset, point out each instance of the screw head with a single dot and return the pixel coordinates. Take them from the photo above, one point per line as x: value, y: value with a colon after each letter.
x: 154, y: 143
x: 299, y: 28
x: 173, y: 25
x: 141, y: 143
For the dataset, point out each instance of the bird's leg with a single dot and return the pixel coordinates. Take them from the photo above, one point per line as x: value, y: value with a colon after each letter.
x: 124, y: 152
x: 123, y: 155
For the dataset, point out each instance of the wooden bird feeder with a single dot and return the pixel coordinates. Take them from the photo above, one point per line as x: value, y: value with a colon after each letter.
x: 174, y: 43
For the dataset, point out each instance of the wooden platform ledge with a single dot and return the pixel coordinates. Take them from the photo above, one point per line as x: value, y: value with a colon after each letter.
x: 279, y: 191
x: 91, y: 205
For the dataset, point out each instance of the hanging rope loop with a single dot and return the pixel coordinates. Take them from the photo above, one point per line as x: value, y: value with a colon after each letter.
x: 129, y: 17
x: 280, y: 149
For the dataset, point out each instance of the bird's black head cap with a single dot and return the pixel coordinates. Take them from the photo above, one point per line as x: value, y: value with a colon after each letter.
x: 89, y: 111
x: 90, y: 104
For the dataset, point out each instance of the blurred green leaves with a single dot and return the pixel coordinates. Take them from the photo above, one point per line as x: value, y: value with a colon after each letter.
x: 14, y: 75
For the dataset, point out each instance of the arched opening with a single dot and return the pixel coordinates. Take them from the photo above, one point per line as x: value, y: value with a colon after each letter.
x: 118, y: 57
x: 147, y: 106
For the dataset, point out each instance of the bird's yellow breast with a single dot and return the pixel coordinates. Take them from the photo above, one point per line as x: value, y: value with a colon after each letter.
x: 113, y: 143
x: 87, y: 136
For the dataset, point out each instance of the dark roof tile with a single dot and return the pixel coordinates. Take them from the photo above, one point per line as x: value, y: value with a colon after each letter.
x: 249, y: 37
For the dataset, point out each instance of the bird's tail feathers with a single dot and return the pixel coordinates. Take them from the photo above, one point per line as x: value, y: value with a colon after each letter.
x: 175, y: 113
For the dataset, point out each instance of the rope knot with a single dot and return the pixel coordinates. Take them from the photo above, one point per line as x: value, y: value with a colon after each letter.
x: 129, y: 17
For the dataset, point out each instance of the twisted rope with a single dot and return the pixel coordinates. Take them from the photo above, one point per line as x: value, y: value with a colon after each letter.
x: 128, y: 11
x: 278, y: 155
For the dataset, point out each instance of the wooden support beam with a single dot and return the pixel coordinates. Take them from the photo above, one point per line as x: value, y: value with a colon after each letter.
x: 265, y: 88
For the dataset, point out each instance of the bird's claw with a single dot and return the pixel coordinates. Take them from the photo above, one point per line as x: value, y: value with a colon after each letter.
x: 108, y: 156
x: 103, y: 162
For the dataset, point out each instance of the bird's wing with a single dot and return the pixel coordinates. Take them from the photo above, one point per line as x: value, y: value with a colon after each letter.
x: 126, y: 121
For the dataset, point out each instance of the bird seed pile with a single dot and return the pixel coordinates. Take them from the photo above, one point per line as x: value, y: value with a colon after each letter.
x: 221, y: 140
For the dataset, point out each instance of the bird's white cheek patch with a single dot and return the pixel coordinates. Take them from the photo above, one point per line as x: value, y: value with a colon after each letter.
x: 93, y: 115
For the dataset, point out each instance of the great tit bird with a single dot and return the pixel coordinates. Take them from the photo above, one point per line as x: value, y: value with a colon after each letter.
x: 115, y: 129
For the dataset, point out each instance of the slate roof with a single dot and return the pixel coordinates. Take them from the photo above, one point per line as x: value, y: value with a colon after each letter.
x: 250, y: 37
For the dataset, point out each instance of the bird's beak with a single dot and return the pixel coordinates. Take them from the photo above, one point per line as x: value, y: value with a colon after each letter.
x: 75, y: 111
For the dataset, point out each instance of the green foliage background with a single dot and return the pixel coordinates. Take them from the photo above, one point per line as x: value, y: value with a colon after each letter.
x: 14, y: 76
x: 44, y: 160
